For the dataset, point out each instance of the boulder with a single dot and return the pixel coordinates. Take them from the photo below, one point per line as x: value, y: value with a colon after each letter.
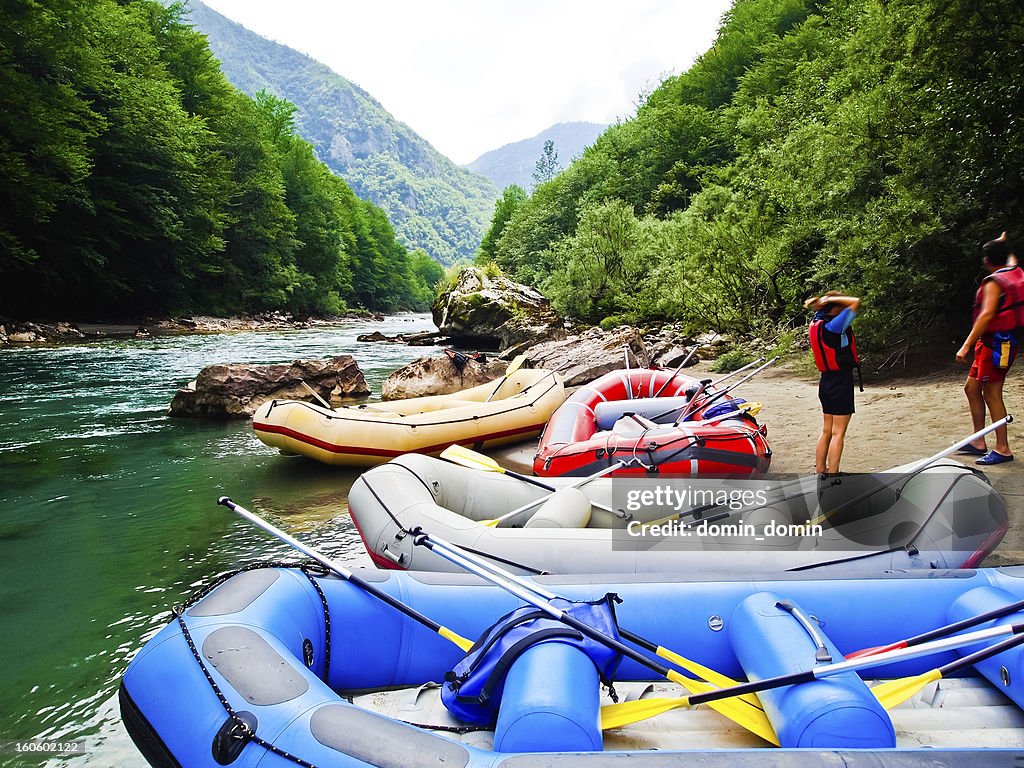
x: 673, y: 356
x: 591, y: 354
x: 493, y: 312
x: 439, y: 376
x: 236, y: 390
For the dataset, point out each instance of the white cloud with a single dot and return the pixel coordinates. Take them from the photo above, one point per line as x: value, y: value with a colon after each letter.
x: 472, y: 75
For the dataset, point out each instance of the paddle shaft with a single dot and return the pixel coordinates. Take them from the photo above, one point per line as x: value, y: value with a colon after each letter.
x: 918, y: 467
x: 536, y: 589
x: 677, y: 370
x: 530, y: 597
x: 513, y: 366
x: 629, y: 383
x: 719, y: 395
x: 341, y: 571
x: 852, y: 665
x: 959, y: 626
x: 315, y: 394
x: 578, y: 484
x: 464, y: 457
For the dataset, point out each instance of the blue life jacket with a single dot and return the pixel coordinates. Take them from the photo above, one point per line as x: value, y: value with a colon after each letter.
x: 472, y: 691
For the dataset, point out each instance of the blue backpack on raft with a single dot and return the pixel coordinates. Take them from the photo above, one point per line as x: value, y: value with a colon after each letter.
x: 722, y: 409
x: 472, y: 691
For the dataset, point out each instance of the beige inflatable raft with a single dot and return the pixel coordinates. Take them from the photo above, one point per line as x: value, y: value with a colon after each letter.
x: 365, y: 435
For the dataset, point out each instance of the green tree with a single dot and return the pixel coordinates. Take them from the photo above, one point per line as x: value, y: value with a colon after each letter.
x: 510, y: 199
x: 547, y: 165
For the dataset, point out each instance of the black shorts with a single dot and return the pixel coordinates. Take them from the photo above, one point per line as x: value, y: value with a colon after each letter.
x: 835, y: 391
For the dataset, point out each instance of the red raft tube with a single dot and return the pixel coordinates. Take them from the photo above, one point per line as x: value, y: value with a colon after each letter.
x: 630, y: 416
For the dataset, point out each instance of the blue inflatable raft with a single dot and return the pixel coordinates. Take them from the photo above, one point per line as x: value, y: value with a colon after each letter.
x: 282, y: 666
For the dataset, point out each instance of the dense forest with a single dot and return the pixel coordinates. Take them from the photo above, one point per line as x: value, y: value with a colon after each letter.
x: 432, y: 203
x: 865, y: 145
x: 134, y: 179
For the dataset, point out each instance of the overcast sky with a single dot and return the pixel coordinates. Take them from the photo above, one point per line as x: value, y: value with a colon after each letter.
x: 472, y: 75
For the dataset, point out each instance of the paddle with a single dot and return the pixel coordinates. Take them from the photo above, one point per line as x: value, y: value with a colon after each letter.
x: 313, y: 392
x: 719, y: 395
x: 914, y: 469
x: 515, y: 365
x: 959, y: 626
x: 624, y: 713
x: 676, y: 372
x: 459, y: 454
x: 743, y: 710
x: 629, y: 384
x: 346, y: 574
x: 892, y: 693
x: 705, y: 383
x: 537, y: 502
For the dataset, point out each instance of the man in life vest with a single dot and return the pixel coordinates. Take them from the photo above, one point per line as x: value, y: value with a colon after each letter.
x: 998, y: 313
x: 835, y: 354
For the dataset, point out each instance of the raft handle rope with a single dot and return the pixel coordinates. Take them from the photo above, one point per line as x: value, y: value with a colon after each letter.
x: 341, y: 414
x: 241, y: 729
x: 403, y: 531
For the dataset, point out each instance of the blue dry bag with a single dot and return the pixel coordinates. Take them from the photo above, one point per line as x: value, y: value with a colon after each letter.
x: 472, y: 691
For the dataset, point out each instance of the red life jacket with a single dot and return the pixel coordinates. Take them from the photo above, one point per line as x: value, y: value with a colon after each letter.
x: 1010, y: 310
x: 828, y: 349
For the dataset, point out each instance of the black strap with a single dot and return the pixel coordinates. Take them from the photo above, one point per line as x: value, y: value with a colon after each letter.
x: 502, y: 665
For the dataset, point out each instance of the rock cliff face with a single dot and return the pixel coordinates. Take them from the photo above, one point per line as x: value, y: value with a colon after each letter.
x: 235, y: 391
x: 494, y: 312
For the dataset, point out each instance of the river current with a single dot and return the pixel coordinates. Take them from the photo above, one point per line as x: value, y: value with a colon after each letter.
x: 108, y: 513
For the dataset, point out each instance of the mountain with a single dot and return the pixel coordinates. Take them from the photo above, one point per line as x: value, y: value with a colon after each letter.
x: 514, y: 163
x: 433, y: 203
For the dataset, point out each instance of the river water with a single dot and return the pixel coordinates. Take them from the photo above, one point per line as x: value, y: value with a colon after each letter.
x: 108, y: 513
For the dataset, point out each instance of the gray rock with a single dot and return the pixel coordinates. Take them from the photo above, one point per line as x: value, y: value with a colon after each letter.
x: 439, y: 376
x: 673, y: 356
x: 236, y: 390
x: 591, y: 354
x: 495, y: 312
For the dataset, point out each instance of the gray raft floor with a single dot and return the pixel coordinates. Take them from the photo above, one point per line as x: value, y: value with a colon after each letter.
x: 959, y: 713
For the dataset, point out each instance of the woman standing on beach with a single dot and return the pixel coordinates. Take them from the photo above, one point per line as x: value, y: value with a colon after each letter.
x: 835, y: 354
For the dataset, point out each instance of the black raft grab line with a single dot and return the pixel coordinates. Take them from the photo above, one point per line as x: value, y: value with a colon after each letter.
x: 404, y: 530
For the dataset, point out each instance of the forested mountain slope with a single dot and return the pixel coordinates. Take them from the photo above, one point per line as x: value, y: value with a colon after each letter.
x: 433, y: 203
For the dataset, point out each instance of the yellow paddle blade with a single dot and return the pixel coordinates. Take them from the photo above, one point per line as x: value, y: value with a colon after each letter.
x: 459, y: 454
x: 456, y: 638
x: 752, y: 408
x: 736, y: 709
x: 516, y: 364
x: 892, y: 693
x: 716, y: 679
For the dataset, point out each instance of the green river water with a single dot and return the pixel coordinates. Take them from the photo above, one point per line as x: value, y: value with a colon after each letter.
x: 108, y: 513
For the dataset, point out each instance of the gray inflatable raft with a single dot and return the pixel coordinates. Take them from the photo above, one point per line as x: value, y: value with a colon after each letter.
x: 943, y: 516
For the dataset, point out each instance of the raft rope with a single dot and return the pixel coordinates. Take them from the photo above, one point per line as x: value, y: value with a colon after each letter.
x: 340, y: 414
x: 241, y: 729
x: 406, y: 531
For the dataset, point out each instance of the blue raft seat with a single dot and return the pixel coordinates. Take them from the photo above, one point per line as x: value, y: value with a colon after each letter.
x: 838, y: 711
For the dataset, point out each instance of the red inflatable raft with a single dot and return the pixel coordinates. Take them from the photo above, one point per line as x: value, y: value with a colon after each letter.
x: 629, y: 415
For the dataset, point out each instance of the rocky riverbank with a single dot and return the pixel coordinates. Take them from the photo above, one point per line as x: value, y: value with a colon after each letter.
x: 17, y: 333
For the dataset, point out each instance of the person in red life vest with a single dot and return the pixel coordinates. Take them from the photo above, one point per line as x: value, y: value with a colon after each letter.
x: 998, y: 313
x: 835, y: 354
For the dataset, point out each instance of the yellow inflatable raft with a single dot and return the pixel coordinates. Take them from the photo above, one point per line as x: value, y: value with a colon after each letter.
x: 370, y: 434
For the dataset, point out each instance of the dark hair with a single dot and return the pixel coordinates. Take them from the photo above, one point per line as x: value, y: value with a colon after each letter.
x: 998, y: 251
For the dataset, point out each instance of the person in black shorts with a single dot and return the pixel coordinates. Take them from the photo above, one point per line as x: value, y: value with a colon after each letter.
x: 835, y: 354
